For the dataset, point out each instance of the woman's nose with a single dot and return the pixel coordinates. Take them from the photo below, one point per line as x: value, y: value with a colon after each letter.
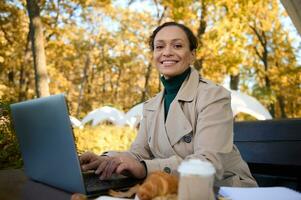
x: 167, y: 51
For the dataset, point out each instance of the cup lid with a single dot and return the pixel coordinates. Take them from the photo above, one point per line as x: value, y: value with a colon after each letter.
x: 196, y: 167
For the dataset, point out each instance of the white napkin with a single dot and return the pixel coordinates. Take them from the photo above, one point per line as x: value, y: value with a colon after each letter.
x: 115, y: 198
x: 259, y: 193
x: 110, y: 198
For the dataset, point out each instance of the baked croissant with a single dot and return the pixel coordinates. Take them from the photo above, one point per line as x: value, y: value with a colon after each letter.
x: 78, y: 196
x: 158, y: 184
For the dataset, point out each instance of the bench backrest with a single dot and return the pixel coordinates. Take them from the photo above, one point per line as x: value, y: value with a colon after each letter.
x: 272, y: 148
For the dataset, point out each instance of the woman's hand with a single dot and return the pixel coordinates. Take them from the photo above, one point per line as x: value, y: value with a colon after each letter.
x: 105, y: 166
x: 91, y: 161
x: 123, y: 164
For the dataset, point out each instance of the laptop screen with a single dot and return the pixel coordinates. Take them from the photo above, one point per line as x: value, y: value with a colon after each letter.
x: 46, y: 142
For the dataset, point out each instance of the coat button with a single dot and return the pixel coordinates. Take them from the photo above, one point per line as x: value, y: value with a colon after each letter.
x: 167, y: 170
x: 187, y: 138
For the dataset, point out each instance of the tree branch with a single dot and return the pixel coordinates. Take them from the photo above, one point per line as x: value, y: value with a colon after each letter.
x: 6, y: 36
x: 259, y: 37
x: 257, y: 52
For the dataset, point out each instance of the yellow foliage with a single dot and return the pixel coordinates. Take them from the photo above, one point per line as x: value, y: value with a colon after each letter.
x: 104, y: 138
x: 97, y: 51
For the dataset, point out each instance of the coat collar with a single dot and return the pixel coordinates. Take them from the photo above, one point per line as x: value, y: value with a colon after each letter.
x: 187, y: 91
x: 154, y: 103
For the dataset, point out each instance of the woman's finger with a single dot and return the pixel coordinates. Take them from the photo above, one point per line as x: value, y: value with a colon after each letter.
x: 105, y: 174
x: 101, y: 166
x: 92, y: 165
x: 122, y: 167
x: 135, y: 168
x: 112, y: 167
x: 86, y: 157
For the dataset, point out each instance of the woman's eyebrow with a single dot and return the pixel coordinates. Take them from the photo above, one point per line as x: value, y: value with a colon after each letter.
x: 173, y: 40
x: 159, y: 41
x: 177, y: 39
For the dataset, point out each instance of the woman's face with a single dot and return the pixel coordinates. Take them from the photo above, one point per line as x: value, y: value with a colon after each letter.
x: 172, y: 54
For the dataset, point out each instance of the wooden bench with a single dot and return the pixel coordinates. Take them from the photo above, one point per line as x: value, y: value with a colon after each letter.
x: 272, y: 149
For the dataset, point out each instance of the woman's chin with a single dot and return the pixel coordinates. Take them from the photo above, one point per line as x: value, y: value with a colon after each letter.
x: 168, y: 75
x: 167, y: 72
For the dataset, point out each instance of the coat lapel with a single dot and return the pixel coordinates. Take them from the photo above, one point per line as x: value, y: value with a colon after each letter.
x: 157, y: 137
x: 177, y: 124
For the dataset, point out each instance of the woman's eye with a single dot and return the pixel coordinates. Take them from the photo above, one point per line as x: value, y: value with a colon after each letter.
x: 158, y: 47
x: 177, y: 46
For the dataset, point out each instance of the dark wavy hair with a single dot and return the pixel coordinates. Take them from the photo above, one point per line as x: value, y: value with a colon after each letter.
x: 193, y: 41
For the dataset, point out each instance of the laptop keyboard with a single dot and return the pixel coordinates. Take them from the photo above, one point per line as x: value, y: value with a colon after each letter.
x: 94, y: 184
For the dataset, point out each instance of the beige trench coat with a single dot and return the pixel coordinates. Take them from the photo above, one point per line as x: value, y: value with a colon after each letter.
x: 199, y: 125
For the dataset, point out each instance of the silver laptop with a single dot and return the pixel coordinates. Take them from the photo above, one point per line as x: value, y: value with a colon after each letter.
x: 46, y: 140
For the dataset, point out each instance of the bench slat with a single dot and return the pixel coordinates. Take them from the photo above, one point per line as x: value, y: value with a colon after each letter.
x: 268, y: 130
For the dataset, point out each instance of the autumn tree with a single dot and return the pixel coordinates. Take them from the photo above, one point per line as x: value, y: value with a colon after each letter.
x: 38, y: 52
x: 272, y: 56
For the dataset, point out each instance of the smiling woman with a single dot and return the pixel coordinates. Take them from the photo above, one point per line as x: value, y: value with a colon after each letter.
x: 190, y: 119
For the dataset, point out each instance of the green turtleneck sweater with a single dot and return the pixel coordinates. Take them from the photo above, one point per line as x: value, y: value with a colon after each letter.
x: 172, y: 87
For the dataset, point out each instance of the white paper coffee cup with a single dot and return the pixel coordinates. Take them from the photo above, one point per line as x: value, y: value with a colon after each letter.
x: 196, y: 180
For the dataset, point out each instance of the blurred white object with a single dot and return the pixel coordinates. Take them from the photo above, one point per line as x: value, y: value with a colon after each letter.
x: 134, y: 115
x: 105, y: 113
x: 244, y: 103
x: 240, y: 103
x: 75, y: 122
x: 115, y: 116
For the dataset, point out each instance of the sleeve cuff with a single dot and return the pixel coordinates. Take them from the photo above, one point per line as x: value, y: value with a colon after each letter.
x: 169, y: 165
x: 145, y: 167
x: 110, y: 153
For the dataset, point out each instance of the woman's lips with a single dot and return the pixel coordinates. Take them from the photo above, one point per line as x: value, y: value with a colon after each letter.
x: 169, y: 62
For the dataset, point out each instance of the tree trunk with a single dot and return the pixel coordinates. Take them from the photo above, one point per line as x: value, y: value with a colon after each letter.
x: 104, y: 82
x: 90, y: 81
x: 22, y: 79
x: 234, y: 82
x: 145, y: 91
x: 38, y: 52
x: 198, y: 65
x: 117, y: 85
x: 282, y: 106
x: 11, y: 78
x: 82, y: 85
